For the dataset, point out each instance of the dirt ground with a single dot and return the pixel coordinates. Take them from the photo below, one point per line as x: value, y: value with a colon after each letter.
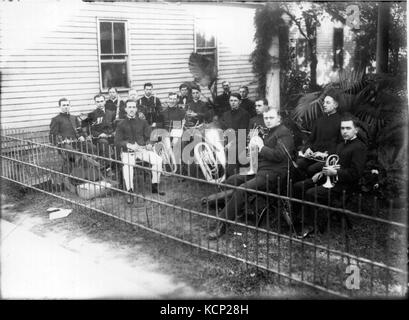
x: 195, y: 273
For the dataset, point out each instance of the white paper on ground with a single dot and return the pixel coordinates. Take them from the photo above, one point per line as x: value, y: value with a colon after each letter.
x: 62, y: 213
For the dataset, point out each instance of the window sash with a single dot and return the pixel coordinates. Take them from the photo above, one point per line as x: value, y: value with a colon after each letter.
x: 118, y: 58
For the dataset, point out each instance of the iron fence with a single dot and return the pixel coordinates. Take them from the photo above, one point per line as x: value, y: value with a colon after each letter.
x: 358, y: 247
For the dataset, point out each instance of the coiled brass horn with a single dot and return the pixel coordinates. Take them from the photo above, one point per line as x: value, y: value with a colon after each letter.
x: 210, y: 156
x: 168, y: 157
x: 332, y: 160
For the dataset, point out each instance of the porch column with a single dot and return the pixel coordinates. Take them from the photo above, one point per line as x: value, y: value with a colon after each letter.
x: 273, y: 77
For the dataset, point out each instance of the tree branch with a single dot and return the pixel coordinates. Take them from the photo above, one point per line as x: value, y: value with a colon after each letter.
x: 294, y: 19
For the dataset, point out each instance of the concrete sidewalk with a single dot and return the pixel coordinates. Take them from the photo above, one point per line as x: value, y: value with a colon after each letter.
x: 34, y: 267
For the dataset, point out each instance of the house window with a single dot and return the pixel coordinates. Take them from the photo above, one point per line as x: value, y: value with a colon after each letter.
x: 338, y: 47
x: 113, y: 55
x: 205, y: 40
x: 302, y: 54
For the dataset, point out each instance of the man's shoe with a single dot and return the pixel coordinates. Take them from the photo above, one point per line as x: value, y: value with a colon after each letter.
x: 155, y: 189
x: 218, y: 232
x: 130, y: 197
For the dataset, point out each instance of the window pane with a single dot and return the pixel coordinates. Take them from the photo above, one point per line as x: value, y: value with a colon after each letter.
x: 114, y: 75
x: 210, y: 42
x: 106, y: 37
x: 200, y: 40
x: 119, y: 38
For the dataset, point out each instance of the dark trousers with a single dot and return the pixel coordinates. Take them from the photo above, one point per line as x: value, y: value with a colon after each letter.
x: 307, y: 168
x: 309, y: 191
x: 256, y: 182
x: 103, y: 149
x: 70, y: 157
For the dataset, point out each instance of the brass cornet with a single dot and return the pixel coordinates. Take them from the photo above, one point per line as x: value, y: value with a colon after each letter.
x: 332, y: 160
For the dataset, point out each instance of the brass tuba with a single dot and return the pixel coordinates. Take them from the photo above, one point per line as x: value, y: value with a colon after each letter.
x: 332, y: 160
x: 211, y: 157
x: 168, y: 157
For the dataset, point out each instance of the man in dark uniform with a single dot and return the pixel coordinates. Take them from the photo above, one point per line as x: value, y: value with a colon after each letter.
x: 234, y: 121
x: 66, y: 132
x: 197, y: 111
x: 261, y: 106
x: 272, y: 164
x: 246, y: 103
x: 114, y: 103
x: 150, y: 105
x: 185, y: 96
x: 99, y: 126
x: 173, y: 115
x: 221, y: 102
x: 132, y: 137
x: 346, y: 173
x: 235, y: 118
x: 324, y: 137
x: 65, y: 127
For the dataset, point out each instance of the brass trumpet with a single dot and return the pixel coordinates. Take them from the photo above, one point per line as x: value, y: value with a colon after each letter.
x: 332, y: 160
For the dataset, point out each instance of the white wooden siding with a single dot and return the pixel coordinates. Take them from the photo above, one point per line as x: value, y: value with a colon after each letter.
x: 61, y: 58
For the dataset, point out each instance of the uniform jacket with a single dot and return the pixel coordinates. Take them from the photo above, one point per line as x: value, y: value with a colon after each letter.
x: 202, y: 111
x: 272, y: 156
x: 326, y: 134
x: 131, y: 131
x: 256, y: 121
x: 249, y: 106
x: 221, y: 104
x: 113, y: 105
x: 235, y: 119
x: 169, y: 115
x: 99, y: 121
x: 64, y: 126
x: 151, y: 108
x: 352, y: 158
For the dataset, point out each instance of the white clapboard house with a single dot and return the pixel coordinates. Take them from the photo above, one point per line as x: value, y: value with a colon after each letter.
x: 74, y: 49
x: 51, y: 49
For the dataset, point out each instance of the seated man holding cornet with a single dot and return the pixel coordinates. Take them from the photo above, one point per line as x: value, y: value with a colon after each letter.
x: 342, y: 170
x: 323, y: 139
x: 133, y: 137
x: 272, y: 164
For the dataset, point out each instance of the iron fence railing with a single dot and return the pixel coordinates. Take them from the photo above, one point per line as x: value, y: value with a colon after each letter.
x: 358, y: 248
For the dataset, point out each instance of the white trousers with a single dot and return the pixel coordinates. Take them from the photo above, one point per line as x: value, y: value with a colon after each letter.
x: 129, y: 158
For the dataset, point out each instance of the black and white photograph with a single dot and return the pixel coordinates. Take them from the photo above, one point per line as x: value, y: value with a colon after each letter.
x: 203, y: 150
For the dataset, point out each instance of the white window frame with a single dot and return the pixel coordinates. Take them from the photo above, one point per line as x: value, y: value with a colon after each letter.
x: 127, y: 54
x: 216, y: 42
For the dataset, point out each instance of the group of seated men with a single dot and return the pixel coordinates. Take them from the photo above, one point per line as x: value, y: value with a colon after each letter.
x: 332, y: 134
x: 128, y: 125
